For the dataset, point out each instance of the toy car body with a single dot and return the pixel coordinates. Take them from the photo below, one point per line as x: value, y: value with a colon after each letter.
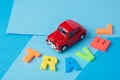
x: 68, y: 33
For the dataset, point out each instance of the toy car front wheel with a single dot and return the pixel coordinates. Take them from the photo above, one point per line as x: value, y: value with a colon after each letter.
x: 82, y: 36
x: 64, y: 48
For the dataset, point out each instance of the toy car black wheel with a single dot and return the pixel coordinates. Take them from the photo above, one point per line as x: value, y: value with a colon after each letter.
x: 64, y: 48
x: 82, y: 36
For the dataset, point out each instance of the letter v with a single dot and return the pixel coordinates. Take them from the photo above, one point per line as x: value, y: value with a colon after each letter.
x: 87, y: 55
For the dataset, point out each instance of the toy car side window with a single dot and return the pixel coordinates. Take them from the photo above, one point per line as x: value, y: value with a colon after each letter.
x: 71, y: 34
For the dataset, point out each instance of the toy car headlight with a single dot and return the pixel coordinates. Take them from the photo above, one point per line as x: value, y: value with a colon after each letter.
x: 51, y: 44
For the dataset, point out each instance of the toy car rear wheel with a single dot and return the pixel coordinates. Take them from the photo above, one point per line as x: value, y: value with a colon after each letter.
x: 64, y: 48
x: 82, y: 36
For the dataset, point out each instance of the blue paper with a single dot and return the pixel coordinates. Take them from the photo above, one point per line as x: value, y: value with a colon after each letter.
x: 21, y: 70
x: 41, y: 17
x: 10, y: 45
x: 106, y: 66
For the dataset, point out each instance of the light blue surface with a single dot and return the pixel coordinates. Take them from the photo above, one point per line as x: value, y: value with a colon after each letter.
x: 41, y: 17
x: 21, y: 70
x: 10, y: 45
x: 106, y: 66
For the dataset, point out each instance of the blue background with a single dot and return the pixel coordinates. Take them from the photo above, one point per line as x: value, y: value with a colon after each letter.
x: 10, y: 45
x: 106, y: 66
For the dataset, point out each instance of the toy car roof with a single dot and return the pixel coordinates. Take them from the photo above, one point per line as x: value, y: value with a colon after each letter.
x: 69, y: 25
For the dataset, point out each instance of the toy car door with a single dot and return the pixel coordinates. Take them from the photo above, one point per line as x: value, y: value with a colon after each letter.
x: 71, y: 39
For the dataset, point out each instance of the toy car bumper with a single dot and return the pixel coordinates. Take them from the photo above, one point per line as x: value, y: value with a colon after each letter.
x: 52, y: 45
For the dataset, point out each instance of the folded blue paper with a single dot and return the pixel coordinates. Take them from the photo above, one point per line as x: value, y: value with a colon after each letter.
x: 21, y: 70
x: 41, y: 17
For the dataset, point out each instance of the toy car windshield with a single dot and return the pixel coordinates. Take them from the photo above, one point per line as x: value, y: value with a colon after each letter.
x: 62, y: 31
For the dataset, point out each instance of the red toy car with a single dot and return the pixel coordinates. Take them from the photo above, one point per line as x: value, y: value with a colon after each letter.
x: 68, y: 33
